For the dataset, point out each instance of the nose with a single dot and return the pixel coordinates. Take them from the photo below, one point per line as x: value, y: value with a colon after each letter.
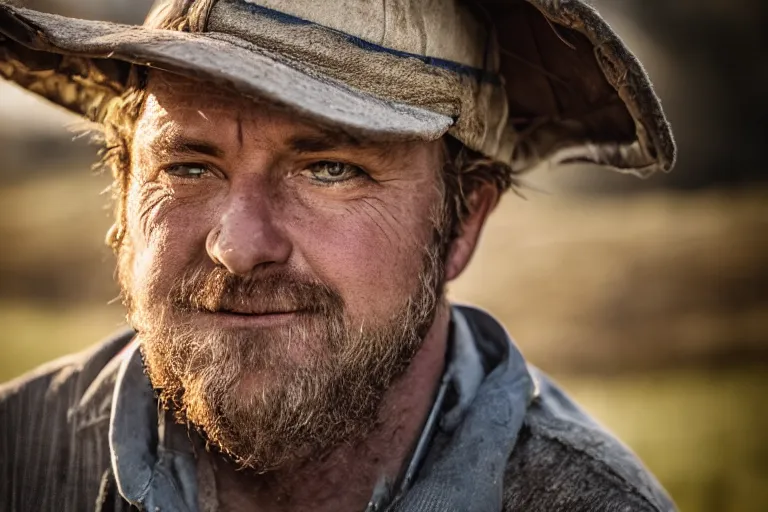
x: 248, y: 236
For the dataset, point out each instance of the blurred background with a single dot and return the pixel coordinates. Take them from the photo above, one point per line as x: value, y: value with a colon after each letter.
x: 647, y: 300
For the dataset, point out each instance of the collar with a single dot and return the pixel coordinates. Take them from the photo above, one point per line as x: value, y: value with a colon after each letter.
x: 464, y: 468
x: 152, y: 457
x: 462, y: 377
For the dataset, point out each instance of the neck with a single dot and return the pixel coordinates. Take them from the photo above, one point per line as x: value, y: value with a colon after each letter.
x: 345, y: 479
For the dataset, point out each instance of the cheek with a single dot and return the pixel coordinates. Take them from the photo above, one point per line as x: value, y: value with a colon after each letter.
x: 167, y: 233
x: 371, y: 252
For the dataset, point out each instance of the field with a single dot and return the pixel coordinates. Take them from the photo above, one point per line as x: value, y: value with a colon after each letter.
x: 650, y: 309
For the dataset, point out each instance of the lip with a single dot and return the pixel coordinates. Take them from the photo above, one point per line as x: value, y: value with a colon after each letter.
x: 227, y: 319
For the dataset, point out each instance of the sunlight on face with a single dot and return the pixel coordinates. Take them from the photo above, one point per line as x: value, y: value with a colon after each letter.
x: 279, y: 274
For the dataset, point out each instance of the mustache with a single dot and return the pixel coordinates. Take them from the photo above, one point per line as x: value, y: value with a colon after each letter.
x: 219, y: 291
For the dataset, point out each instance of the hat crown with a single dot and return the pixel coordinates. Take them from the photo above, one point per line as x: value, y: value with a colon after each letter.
x: 441, y: 29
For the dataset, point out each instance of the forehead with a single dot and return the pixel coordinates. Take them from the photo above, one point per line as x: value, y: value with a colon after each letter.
x: 177, y: 106
x: 172, y: 98
x: 181, y: 108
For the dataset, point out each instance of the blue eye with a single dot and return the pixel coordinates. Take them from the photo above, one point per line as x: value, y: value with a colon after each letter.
x: 189, y: 171
x: 332, y: 172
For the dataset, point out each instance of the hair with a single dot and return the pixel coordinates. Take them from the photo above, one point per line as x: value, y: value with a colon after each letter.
x: 464, y: 170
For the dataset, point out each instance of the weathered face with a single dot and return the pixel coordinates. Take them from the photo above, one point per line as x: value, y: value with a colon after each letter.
x: 280, y: 275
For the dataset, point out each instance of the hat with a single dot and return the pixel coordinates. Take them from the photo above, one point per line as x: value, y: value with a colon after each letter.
x: 523, y: 82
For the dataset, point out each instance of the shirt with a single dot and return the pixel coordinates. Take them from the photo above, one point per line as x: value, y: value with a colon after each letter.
x: 85, y: 432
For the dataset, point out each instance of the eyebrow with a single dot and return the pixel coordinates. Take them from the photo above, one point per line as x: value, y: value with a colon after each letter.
x: 323, y: 141
x: 186, y: 146
x: 191, y: 146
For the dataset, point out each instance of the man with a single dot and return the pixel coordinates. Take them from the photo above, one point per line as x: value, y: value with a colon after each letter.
x: 295, y: 182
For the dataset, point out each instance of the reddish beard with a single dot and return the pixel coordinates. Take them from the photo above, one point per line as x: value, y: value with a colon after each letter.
x: 246, y: 390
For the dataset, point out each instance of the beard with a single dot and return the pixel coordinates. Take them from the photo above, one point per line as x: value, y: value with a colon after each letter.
x: 268, y: 396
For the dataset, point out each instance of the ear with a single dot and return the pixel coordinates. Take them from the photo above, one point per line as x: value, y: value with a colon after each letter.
x: 481, y: 204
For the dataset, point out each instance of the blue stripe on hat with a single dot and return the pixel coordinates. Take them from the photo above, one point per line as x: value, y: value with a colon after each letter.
x: 481, y: 75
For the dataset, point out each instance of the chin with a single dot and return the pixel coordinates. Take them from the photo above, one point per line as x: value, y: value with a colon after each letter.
x: 255, y: 383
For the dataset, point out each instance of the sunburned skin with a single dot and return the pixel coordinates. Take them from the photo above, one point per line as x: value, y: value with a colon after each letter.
x: 258, y: 204
x: 221, y: 181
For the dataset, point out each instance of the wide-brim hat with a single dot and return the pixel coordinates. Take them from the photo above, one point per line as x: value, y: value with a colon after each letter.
x: 524, y: 82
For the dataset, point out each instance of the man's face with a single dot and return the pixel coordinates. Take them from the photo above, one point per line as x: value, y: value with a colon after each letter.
x: 280, y: 275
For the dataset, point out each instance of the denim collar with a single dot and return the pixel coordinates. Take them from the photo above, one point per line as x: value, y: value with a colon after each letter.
x: 464, y: 469
x: 153, y: 458
x: 457, y: 464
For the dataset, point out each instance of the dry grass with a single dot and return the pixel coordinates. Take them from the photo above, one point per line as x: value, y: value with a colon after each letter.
x: 33, y: 334
x: 701, y: 432
x: 611, y: 284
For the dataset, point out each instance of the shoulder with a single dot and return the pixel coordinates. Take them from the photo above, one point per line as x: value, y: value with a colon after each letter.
x: 45, y: 401
x: 564, y: 461
x: 52, y: 422
x: 55, y: 381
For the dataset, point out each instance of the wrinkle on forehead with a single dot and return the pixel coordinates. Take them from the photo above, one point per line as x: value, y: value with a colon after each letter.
x: 177, y: 105
x: 199, y: 93
x: 183, y: 94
